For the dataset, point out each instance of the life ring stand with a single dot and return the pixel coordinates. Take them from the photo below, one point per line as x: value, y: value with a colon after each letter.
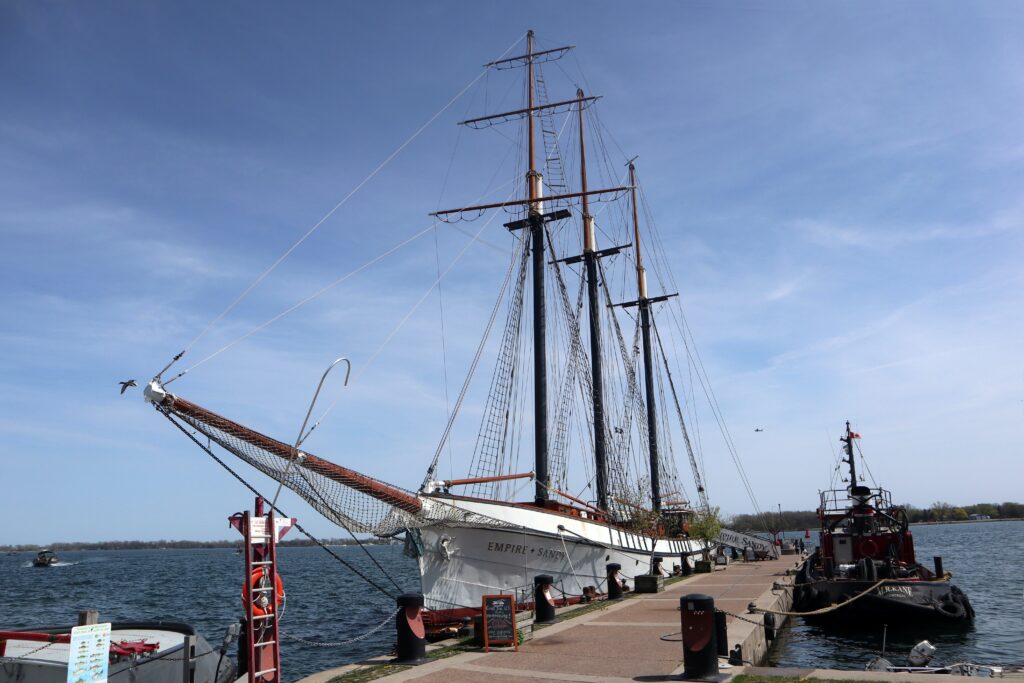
x: 868, y: 547
x: 261, y: 606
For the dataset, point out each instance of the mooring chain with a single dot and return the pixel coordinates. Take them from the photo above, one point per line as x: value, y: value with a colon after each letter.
x: 740, y: 617
x: 29, y: 653
x: 342, y: 643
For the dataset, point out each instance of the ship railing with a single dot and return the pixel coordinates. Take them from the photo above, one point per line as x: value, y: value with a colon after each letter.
x: 838, y: 501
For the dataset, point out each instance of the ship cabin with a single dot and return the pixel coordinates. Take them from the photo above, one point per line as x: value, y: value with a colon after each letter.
x: 860, y: 522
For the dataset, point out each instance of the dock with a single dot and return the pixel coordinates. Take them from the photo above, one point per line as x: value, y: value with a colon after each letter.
x: 637, y: 638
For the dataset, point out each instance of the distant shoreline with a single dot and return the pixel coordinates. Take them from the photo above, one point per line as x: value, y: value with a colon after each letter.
x: 200, y: 545
x: 175, y: 545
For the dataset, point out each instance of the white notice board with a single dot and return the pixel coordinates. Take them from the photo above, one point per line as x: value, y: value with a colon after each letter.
x: 89, y: 654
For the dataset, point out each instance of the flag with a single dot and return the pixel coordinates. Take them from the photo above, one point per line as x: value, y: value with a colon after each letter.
x: 854, y: 435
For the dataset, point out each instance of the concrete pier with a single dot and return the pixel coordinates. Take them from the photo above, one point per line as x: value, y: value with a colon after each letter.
x: 638, y: 637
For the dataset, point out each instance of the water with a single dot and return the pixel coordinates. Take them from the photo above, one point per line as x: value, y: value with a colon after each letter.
x: 987, y: 562
x: 325, y: 601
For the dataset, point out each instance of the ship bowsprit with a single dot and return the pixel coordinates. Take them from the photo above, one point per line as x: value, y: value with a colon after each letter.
x: 350, y: 499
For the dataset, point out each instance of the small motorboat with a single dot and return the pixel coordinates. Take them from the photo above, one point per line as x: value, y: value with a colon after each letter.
x: 45, y: 558
x: 919, y: 662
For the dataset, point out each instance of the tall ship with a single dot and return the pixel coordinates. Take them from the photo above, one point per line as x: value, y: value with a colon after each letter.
x: 865, y: 568
x: 583, y: 366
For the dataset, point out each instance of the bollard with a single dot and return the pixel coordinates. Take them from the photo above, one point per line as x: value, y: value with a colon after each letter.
x: 721, y: 634
x: 614, y: 587
x: 656, y: 566
x: 685, y: 568
x: 412, y: 636
x: 938, y: 567
x: 700, y: 648
x: 543, y: 604
x: 769, y: 627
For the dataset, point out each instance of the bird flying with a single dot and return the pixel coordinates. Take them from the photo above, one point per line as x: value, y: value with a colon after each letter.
x: 126, y: 384
x: 758, y: 429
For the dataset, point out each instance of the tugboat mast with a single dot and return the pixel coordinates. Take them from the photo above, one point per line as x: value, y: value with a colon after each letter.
x: 848, y: 440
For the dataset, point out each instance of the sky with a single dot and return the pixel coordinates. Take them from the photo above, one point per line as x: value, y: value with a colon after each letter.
x: 837, y: 186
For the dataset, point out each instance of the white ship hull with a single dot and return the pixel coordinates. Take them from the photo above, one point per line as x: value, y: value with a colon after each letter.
x: 461, y: 563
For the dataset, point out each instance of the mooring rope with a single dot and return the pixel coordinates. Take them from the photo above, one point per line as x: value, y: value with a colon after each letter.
x: 823, y: 610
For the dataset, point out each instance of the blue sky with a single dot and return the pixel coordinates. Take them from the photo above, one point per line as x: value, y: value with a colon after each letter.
x: 837, y: 186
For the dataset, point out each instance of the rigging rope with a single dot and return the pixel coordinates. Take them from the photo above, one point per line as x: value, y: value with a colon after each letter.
x: 472, y: 369
x: 337, y: 206
x: 298, y: 526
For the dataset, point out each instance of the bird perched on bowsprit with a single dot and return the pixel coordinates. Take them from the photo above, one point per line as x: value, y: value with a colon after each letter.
x: 125, y: 385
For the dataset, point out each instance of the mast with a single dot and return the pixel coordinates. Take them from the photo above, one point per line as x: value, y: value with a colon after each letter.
x: 849, y: 454
x: 540, y: 359
x: 535, y: 222
x: 645, y: 329
x: 590, y: 257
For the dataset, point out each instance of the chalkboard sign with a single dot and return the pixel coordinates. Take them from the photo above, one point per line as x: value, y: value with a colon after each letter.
x: 499, y: 621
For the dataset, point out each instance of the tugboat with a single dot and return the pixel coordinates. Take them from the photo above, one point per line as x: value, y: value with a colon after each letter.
x: 45, y: 558
x: 864, y: 569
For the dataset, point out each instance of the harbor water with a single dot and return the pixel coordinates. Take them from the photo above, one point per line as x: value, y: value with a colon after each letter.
x: 327, y: 603
x: 987, y: 562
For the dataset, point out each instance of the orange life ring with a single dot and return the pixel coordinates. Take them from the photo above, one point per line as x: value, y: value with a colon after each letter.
x: 865, y: 545
x: 261, y: 606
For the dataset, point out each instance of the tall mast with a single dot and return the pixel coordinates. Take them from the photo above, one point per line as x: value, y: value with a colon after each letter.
x: 535, y: 222
x: 645, y: 328
x: 590, y: 257
x: 849, y: 455
x: 540, y: 360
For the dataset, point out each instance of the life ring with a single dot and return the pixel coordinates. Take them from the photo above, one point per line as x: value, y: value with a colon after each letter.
x: 868, y: 547
x: 261, y: 606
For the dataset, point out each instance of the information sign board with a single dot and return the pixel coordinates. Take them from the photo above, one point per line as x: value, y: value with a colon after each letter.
x: 89, y: 654
x: 499, y: 621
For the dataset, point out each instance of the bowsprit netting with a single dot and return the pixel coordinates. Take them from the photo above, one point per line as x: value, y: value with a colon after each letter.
x: 348, y: 498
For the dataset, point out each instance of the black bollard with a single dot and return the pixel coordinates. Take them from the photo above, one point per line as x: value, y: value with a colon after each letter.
x: 544, y: 605
x: 700, y: 647
x: 685, y: 568
x: 938, y: 567
x: 614, y: 587
x: 656, y: 566
x: 721, y: 634
x: 412, y: 636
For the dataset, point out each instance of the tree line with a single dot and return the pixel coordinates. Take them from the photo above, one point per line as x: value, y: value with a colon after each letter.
x: 939, y: 511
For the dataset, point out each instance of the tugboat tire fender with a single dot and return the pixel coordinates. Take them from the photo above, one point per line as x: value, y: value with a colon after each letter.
x: 952, y: 609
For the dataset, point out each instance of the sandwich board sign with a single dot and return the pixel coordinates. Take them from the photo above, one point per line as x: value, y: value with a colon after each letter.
x: 499, y: 621
x: 89, y: 654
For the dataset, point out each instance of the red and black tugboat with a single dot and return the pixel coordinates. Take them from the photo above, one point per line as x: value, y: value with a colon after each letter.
x: 864, y: 569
